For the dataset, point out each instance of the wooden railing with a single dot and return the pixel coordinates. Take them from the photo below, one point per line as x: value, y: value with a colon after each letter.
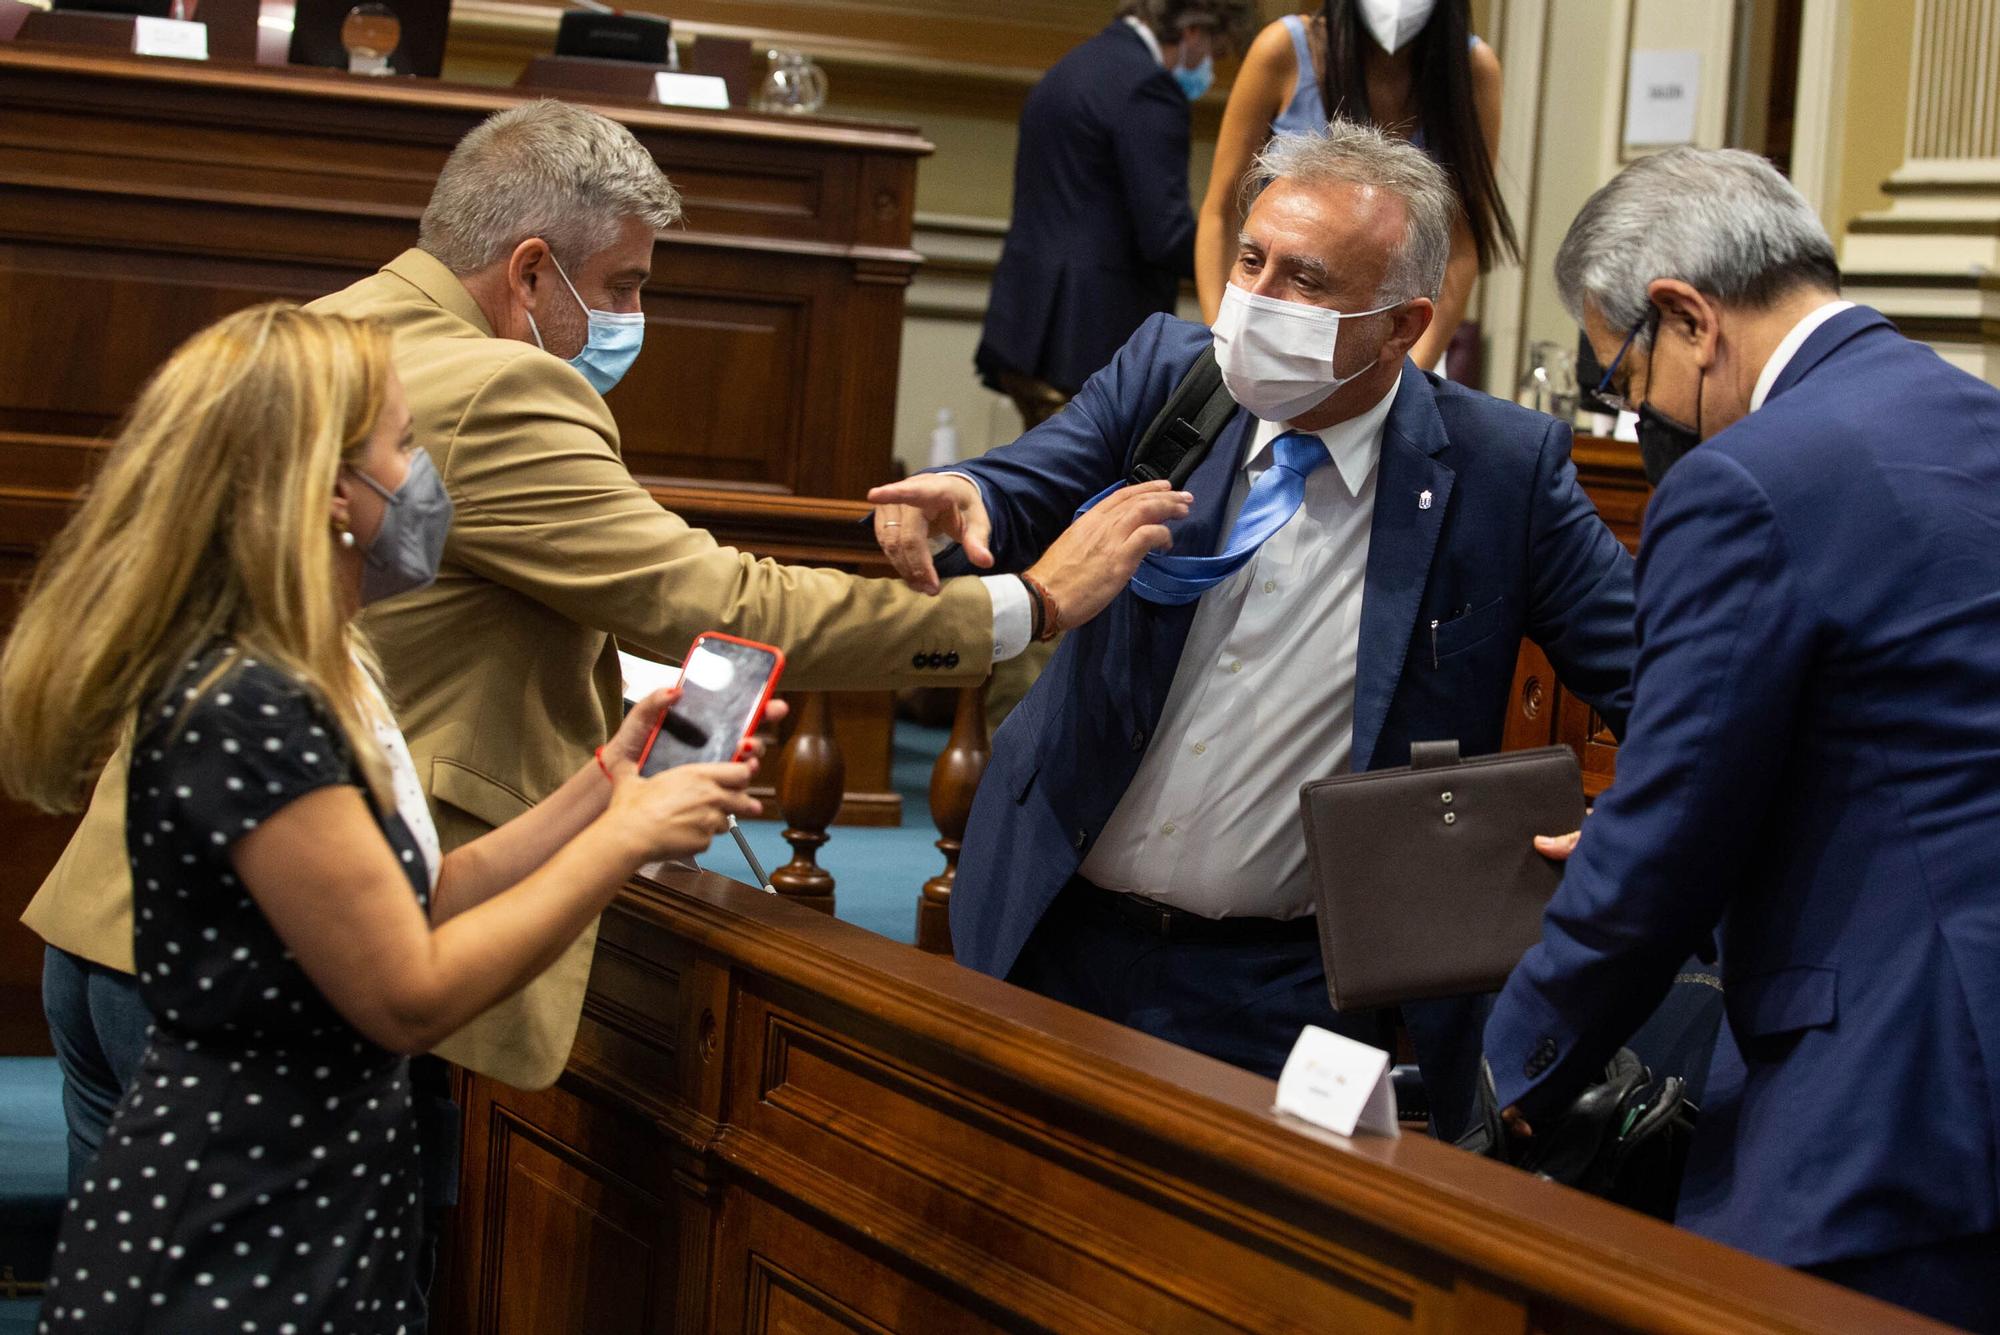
x: 810, y: 769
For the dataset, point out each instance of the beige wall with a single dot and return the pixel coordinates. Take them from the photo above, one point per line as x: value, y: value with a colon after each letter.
x: 1878, y: 104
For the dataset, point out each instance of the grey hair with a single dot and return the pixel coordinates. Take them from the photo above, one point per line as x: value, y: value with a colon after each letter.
x: 546, y: 169
x: 1718, y: 219
x: 1353, y: 154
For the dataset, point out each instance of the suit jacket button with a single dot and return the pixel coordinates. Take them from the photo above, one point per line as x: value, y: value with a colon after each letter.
x: 917, y: 659
x: 934, y: 659
x: 1543, y: 1058
x: 951, y: 659
x: 1081, y: 839
x: 1139, y: 739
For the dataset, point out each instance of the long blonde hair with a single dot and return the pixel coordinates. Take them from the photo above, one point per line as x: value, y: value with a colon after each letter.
x: 211, y: 518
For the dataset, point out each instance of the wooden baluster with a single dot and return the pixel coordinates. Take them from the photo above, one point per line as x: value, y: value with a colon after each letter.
x: 954, y: 779
x: 811, y: 774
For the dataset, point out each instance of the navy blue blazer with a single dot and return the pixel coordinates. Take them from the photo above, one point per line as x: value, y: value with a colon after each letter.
x: 1813, y: 764
x: 1102, y: 232
x: 1509, y: 545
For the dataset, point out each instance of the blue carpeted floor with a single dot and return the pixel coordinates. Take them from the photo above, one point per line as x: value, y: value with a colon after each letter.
x: 877, y: 873
x: 33, y: 1177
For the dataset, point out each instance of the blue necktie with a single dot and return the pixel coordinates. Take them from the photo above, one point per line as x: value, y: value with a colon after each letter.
x: 1274, y: 498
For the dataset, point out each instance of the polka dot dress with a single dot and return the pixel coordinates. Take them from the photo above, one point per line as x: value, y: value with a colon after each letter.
x: 261, y: 1175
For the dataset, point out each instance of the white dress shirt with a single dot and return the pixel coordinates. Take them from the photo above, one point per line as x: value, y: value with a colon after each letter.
x: 1788, y: 347
x: 1262, y: 701
x: 1146, y: 36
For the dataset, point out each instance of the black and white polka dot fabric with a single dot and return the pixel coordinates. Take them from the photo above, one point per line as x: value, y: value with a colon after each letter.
x: 262, y: 1173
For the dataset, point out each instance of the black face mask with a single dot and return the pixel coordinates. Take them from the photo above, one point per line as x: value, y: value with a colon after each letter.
x: 1664, y: 442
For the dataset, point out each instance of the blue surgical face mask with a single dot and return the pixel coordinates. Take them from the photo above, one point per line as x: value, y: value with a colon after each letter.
x: 612, y: 344
x: 1194, y: 82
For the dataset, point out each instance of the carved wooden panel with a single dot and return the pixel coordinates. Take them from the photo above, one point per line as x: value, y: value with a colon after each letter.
x: 576, y: 1232
x: 898, y: 1144
x: 139, y: 200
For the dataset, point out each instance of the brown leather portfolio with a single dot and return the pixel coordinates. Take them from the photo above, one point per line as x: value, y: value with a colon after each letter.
x: 1427, y: 879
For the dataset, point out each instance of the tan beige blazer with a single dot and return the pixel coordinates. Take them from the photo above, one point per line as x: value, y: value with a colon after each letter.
x: 504, y: 673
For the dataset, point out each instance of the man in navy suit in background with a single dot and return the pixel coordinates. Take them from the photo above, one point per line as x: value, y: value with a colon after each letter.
x: 1103, y: 231
x: 1369, y: 545
x: 1813, y: 759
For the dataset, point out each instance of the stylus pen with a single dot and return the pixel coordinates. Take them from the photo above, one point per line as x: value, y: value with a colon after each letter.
x: 750, y: 857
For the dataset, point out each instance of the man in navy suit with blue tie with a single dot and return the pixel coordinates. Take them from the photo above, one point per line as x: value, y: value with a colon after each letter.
x: 1366, y: 548
x: 1813, y: 760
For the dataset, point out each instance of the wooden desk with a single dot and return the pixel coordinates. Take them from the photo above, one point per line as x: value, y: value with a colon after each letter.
x: 774, y: 1121
x: 142, y: 199
x: 1541, y: 712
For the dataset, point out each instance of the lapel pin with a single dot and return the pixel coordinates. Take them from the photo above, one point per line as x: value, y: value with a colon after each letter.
x: 1424, y: 500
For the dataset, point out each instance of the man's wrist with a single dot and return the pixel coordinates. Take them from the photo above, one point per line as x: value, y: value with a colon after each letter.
x: 1048, y: 613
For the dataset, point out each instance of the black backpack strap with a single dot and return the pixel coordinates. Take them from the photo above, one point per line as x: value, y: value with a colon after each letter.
x: 1185, y: 427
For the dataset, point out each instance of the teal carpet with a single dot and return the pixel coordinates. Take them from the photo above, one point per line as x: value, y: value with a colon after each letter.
x: 877, y: 873
x: 33, y: 1177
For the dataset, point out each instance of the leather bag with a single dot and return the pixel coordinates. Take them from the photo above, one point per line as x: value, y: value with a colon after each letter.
x: 1426, y: 877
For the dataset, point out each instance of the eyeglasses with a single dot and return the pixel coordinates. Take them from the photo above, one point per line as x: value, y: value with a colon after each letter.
x: 1605, y: 394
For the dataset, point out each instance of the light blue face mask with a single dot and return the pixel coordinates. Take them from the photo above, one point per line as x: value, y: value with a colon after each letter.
x: 612, y: 344
x: 1194, y: 82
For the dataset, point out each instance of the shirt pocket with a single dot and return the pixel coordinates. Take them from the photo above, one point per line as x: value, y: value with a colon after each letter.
x: 1454, y: 637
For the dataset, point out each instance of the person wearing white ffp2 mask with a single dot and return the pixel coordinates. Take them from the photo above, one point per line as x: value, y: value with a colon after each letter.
x: 1307, y: 315
x: 1392, y: 23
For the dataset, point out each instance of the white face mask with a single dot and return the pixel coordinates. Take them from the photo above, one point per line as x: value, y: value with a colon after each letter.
x: 1277, y: 356
x: 1392, y: 23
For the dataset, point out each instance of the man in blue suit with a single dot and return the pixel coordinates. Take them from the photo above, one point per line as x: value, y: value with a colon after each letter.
x: 1813, y: 761
x: 1135, y: 848
x: 1102, y: 232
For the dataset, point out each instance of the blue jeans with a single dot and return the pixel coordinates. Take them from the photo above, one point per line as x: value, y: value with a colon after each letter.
x: 100, y: 1026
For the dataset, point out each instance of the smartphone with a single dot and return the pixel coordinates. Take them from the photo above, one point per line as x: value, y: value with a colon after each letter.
x: 725, y: 685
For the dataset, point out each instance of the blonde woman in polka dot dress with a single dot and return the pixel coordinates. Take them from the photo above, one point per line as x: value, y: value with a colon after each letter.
x: 297, y: 932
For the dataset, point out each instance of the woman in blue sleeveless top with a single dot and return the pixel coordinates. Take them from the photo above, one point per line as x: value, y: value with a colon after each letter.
x: 1410, y: 66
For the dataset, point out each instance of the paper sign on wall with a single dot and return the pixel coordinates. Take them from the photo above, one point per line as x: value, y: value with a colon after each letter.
x: 1332, y: 1081
x: 1661, y: 93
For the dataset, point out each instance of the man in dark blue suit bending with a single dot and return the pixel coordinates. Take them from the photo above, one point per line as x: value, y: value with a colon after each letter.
x: 1813, y: 761
x: 1102, y: 231
x: 1365, y: 549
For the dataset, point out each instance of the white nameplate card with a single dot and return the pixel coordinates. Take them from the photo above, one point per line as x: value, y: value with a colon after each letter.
x: 169, y: 37
x: 707, y: 91
x: 1337, y: 1083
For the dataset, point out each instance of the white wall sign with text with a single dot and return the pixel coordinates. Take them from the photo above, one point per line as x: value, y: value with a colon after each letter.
x: 1662, y: 91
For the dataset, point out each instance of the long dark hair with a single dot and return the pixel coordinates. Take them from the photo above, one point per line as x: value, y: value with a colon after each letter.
x: 1441, y: 72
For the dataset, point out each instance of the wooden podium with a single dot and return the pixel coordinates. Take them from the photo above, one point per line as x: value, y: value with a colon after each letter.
x: 776, y: 1122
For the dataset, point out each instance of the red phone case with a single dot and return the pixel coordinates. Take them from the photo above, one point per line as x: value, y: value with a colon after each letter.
x: 763, y: 701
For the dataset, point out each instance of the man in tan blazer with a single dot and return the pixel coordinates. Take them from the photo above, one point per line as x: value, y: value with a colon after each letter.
x: 504, y: 671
